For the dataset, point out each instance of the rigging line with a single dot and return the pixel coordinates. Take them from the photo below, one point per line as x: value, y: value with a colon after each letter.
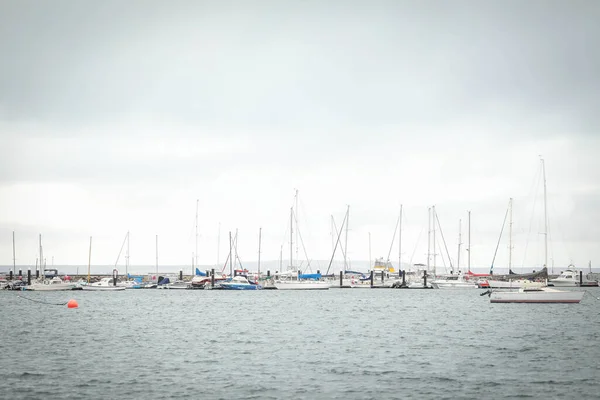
x: 498, y: 245
x: 336, y: 232
x: 43, y: 302
x: 393, y: 238
x: 227, y: 260
x: 237, y: 256
x: 534, y: 188
x: 444, y: 241
x: 336, y: 243
x: 302, y: 242
x: 123, y: 245
x: 416, y: 245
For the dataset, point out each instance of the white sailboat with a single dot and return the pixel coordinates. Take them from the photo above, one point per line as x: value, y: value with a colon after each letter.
x: 457, y: 281
x: 293, y: 279
x: 538, y: 294
x: 46, y: 285
x: 105, y: 284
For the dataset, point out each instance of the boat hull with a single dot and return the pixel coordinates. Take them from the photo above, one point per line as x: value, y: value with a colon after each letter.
x: 103, y: 288
x: 50, y: 288
x: 225, y: 286
x: 301, y: 285
x: 540, y: 296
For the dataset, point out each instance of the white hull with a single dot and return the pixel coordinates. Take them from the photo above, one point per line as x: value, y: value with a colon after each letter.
x: 563, y: 283
x: 453, y: 285
x: 52, y: 285
x: 537, y: 296
x: 302, y: 285
x: 103, y: 288
x: 516, y: 284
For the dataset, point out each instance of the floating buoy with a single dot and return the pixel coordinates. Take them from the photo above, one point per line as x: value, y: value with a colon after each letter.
x: 72, y: 304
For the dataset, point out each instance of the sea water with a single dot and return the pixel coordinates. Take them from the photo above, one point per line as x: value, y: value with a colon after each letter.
x: 339, y: 343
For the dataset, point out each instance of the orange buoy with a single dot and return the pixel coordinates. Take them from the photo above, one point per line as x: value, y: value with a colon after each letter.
x: 72, y: 304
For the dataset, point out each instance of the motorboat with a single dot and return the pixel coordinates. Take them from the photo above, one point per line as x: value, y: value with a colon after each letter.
x: 130, y: 284
x: 54, y: 284
x: 572, y: 278
x: 178, y: 284
x: 453, y: 282
x: 239, y: 282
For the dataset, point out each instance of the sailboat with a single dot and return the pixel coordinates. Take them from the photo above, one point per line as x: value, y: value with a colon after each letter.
x: 293, y: 279
x: 456, y: 281
x: 538, y: 294
x: 105, y: 284
x: 46, y: 285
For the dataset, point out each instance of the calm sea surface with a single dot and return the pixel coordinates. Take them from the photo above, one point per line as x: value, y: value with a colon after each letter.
x: 340, y: 343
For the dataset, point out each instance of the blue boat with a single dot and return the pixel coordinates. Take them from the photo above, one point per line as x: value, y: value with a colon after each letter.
x: 239, y: 282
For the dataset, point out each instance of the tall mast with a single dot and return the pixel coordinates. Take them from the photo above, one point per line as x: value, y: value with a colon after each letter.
x: 346, y: 244
x: 545, y: 218
x: 433, y: 217
x: 127, y: 256
x: 400, y: 241
x: 259, y: 239
x: 296, y: 219
x: 41, y: 258
x: 14, y: 258
x: 428, y: 237
x: 157, y: 255
x: 469, y: 245
x: 89, y: 260
x: 510, y: 235
x: 291, y: 237
x: 196, y: 253
x: 230, y: 257
x: 459, y: 244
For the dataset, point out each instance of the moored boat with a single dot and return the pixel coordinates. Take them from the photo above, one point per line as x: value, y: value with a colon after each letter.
x: 105, y: 284
x: 239, y: 282
x: 48, y: 285
x: 536, y: 295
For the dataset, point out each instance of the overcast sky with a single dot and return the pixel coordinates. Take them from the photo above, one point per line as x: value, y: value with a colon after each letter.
x: 117, y: 116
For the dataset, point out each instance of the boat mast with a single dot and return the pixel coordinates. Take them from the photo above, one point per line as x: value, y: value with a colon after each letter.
x: 428, y: 237
x: 434, y: 253
x: 510, y: 235
x: 230, y: 261
x: 259, y: 240
x: 291, y: 236
x: 156, y: 256
x: 469, y: 245
x: 89, y: 260
x: 196, y: 253
x: 346, y: 240
x: 41, y: 258
x: 545, y: 218
x: 14, y: 259
x: 127, y: 256
x: 296, y: 219
x: 459, y: 244
x: 400, y: 242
